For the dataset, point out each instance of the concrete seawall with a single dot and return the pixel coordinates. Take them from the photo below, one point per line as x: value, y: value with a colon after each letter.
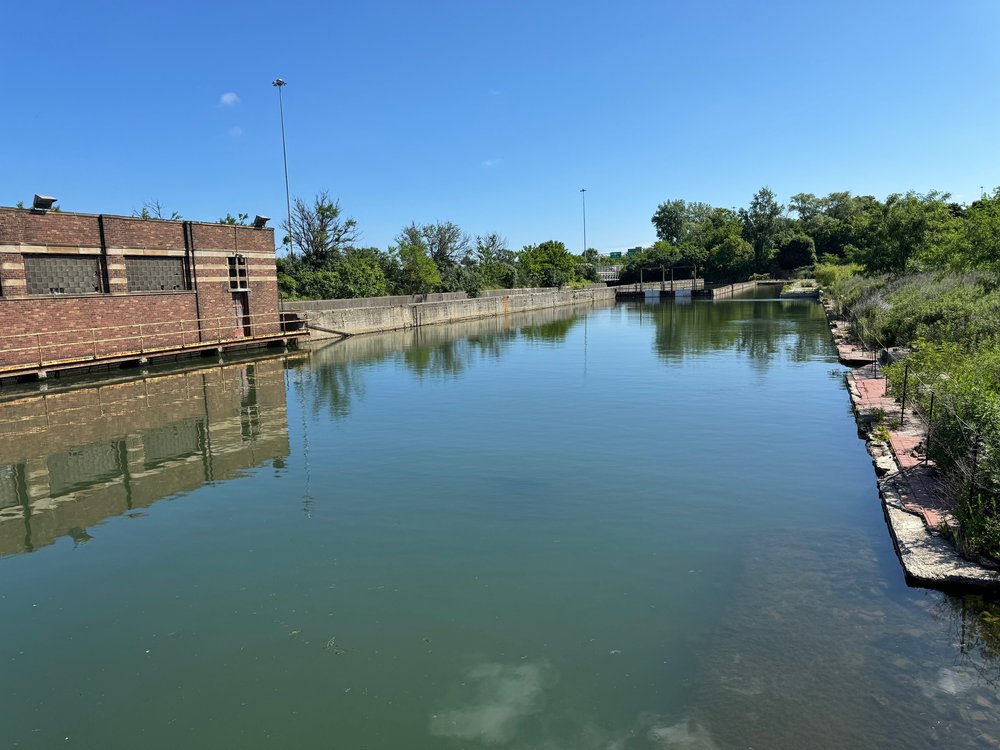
x: 356, y: 350
x: 721, y: 292
x: 334, y: 320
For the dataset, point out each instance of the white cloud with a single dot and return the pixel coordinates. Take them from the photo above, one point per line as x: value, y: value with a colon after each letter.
x: 236, y: 132
x: 491, y: 163
x: 502, y: 697
x: 229, y: 99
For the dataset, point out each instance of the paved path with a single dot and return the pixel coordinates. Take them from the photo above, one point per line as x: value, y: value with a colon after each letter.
x: 913, y: 494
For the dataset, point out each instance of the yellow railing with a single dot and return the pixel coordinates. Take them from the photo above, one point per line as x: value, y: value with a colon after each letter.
x: 49, y: 348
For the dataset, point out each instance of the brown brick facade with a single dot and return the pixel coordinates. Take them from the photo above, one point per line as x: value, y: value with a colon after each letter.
x: 58, y: 327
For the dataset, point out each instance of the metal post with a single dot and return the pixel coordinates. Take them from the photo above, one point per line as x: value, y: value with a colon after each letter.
x: 142, y: 344
x: 279, y: 84
x: 975, y: 463
x: 930, y: 427
x: 671, y: 279
x: 38, y: 345
x: 93, y: 337
x: 583, y: 195
x: 902, y: 408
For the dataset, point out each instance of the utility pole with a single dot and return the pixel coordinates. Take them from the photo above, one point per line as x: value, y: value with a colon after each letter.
x: 279, y: 84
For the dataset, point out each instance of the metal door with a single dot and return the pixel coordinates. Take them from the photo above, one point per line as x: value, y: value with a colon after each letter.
x: 241, y: 311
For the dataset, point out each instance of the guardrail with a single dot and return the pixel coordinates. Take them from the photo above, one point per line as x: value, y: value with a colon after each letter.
x: 52, y: 348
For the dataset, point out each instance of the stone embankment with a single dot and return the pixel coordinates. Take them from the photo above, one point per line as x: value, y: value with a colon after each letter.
x: 913, y: 499
x: 339, y: 318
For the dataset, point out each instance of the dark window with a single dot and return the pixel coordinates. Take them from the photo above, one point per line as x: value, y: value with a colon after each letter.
x: 63, y: 274
x: 238, y: 280
x: 170, y: 442
x: 164, y: 274
x: 82, y: 467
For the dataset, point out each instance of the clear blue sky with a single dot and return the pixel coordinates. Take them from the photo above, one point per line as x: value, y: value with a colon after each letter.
x: 494, y: 114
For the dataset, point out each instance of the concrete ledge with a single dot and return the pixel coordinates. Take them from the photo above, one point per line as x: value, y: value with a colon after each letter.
x: 337, y: 321
x: 929, y: 559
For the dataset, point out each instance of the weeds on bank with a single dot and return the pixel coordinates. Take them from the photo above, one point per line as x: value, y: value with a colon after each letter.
x: 951, y: 324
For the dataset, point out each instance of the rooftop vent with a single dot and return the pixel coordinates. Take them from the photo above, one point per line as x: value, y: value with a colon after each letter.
x: 259, y: 221
x: 43, y: 203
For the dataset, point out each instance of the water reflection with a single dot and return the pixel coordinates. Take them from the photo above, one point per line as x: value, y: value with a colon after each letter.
x: 760, y: 329
x: 74, y: 457
x: 335, y: 378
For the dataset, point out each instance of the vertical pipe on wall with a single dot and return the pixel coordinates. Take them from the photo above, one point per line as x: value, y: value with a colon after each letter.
x: 189, y: 249
x: 105, y: 276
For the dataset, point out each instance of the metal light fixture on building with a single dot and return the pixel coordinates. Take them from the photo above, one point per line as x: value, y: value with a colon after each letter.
x: 259, y: 221
x: 43, y: 203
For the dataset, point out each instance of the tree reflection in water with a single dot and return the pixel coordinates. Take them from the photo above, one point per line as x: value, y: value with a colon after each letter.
x: 335, y: 378
x: 761, y: 329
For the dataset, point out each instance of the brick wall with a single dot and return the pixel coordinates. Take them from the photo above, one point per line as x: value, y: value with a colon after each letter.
x: 124, y: 322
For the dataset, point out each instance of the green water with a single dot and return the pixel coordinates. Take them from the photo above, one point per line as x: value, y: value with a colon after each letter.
x: 643, y: 526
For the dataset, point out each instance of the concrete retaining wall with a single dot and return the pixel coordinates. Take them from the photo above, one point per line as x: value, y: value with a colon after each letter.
x: 731, y: 289
x: 343, y: 304
x: 339, y: 321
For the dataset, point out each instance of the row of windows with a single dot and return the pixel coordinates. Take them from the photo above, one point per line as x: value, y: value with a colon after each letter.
x: 85, y: 274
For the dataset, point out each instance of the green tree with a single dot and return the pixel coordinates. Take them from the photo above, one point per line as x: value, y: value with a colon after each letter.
x: 497, y: 263
x: 318, y: 233
x: 418, y: 274
x: 669, y: 221
x: 762, y: 225
x: 318, y: 284
x: 360, y: 275
x: 978, y: 246
x: 915, y: 231
x: 651, y: 263
x: 795, y: 251
x: 732, y: 259
x: 548, y: 263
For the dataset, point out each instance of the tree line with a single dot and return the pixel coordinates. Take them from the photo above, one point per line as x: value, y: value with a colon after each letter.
x: 906, y: 232
x: 326, y: 261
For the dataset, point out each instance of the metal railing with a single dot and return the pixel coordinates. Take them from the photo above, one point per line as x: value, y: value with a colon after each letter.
x: 962, y: 446
x: 49, y: 348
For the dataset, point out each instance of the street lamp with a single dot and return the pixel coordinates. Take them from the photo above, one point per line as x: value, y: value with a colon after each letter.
x: 278, y: 84
x: 583, y: 195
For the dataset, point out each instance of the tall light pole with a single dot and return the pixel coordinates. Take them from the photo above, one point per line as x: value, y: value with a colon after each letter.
x: 278, y: 84
x: 583, y: 194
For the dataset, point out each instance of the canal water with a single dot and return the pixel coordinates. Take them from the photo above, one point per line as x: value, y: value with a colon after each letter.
x: 649, y: 525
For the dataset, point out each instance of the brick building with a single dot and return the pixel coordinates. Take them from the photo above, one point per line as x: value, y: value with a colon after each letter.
x: 78, y: 288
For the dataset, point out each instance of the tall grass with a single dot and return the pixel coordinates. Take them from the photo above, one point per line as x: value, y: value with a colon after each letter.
x: 951, y: 322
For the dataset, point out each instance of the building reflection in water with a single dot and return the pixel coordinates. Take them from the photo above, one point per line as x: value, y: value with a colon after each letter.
x: 72, y: 458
